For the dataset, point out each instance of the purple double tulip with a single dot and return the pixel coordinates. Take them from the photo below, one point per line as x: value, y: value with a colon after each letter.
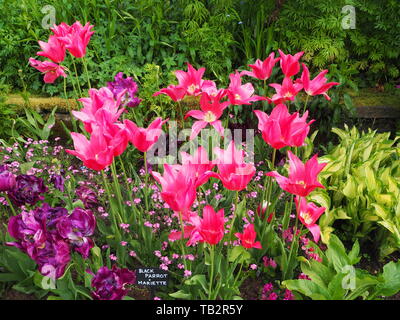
x: 111, y: 284
x: 28, y: 189
x: 77, y: 228
x: 87, y: 196
x: 120, y: 84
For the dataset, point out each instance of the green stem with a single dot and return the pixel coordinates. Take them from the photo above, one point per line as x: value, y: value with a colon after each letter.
x: 117, y: 190
x: 73, y: 120
x: 146, y: 177
x: 305, y: 104
x: 77, y: 79
x: 234, y: 216
x: 86, y: 71
x: 212, y: 272
x: 238, y: 275
x: 182, y: 239
x: 10, y: 204
x: 114, y: 214
x: 294, y: 240
x: 129, y: 191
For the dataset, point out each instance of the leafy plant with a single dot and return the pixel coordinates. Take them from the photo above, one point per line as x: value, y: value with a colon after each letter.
x: 362, y: 179
x: 337, y: 278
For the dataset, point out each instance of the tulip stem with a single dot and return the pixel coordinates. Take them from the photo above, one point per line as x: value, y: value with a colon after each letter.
x: 234, y: 216
x: 146, y: 177
x: 182, y: 239
x: 86, y: 71
x: 10, y: 204
x: 305, y: 104
x: 73, y: 120
x: 77, y: 79
x: 114, y: 215
x: 129, y: 190
x: 270, y: 186
x: 294, y: 239
x: 264, y: 103
x: 212, y: 271
x: 117, y: 188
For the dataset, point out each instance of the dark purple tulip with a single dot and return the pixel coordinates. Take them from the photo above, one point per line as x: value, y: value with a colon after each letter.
x: 110, y: 284
x: 49, y: 217
x: 77, y: 228
x: 58, y: 181
x: 120, y: 84
x: 53, y: 258
x: 28, y: 231
x: 7, y: 179
x: 87, y: 196
x: 28, y: 189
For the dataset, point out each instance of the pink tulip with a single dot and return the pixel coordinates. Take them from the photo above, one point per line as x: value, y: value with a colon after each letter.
x: 281, y: 128
x: 191, y: 80
x: 77, y: 38
x: 54, y: 49
x: 303, y: 178
x: 100, y: 107
x: 116, y: 136
x: 210, y: 228
x: 308, y: 214
x: 262, y: 70
x: 211, y: 89
x: 318, y: 85
x: 234, y: 173
x: 198, y: 165
x: 287, y: 91
x: 290, y: 64
x: 178, y: 187
x: 176, y: 93
x: 248, y: 238
x: 211, y: 111
x: 95, y: 153
x: 143, y: 139
x: 61, y: 30
x: 241, y: 94
x: 51, y: 70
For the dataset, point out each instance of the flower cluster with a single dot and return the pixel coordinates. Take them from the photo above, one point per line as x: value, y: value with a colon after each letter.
x: 47, y: 235
x: 109, y: 137
x: 129, y: 99
x: 74, y: 38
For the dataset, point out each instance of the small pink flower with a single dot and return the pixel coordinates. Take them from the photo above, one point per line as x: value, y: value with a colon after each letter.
x: 123, y: 243
x: 187, y: 273
x: 113, y: 257
x: 253, y: 266
x: 132, y: 253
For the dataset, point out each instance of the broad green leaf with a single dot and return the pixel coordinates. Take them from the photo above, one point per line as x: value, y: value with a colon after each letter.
x: 391, y: 278
x: 336, y: 253
x: 181, y: 295
x: 350, y: 187
x: 307, y: 288
x: 239, y: 254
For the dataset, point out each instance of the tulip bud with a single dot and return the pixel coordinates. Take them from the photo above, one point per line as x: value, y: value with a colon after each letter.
x: 261, y: 211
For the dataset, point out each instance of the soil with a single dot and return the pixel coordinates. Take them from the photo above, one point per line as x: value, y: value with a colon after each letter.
x: 15, y: 295
x: 251, y: 288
